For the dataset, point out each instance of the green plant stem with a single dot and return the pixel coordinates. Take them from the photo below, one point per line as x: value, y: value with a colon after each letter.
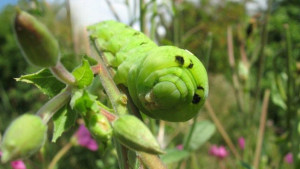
x: 151, y: 161
x: 62, y: 74
x: 59, y: 155
x: 142, y: 16
x: 261, y: 132
x: 264, y: 37
x: 112, y: 9
x: 132, y: 107
x: 153, y: 24
x: 235, y: 80
x: 194, y: 161
x: 53, y: 105
x: 289, y: 74
x: 190, y: 134
x: 209, y: 48
x: 117, y: 99
x: 122, y: 155
x: 222, y: 130
x: 291, y: 119
x: 188, y: 140
x: 176, y: 24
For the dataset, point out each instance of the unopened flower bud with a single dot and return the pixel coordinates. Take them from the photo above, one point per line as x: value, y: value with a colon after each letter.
x: 23, y: 137
x: 134, y: 134
x: 37, y: 43
x: 99, y: 127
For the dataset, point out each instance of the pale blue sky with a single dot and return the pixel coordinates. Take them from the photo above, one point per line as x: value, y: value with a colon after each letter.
x: 6, y: 2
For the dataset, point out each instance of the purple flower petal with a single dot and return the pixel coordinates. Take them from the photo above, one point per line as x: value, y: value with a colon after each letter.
x: 18, y: 164
x: 179, y: 147
x: 93, y: 146
x: 213, y: 150
x: 288, y: 158
x: 241, y: 142
x: 85, y: 139
x: 222, y: 153
x: 219, y: 152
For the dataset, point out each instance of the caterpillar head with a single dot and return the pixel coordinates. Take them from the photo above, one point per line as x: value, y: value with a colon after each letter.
x: 169, y: 84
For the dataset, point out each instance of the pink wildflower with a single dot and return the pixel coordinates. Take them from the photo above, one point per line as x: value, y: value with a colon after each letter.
x: 241, y: 142
x: 288, y: 158
x: 222, y: 152
x: 179, y: 147
x: 213, y: 150
x: 85, y: 139
x: 219, y: 152
x: 18, y: 164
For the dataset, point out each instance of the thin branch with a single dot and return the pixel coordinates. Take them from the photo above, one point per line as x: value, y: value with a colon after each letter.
x: 59, y: 155
x: 262, y: 125
x: 222, y: 130
x: 264, y: 37
x: 235, y: 80
x: 113, y: 10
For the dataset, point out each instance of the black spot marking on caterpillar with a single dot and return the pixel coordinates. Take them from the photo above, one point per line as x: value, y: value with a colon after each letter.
x: 191, y: 65
x: 143, y: 43
x: 196, y: 99
x: 179, y: 59
x: 200, y: 88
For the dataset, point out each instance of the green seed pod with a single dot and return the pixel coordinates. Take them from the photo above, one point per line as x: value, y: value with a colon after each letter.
x: 36, y: 42
x: 99, y: 127
x: 134, y: 134
x: 23, y: 137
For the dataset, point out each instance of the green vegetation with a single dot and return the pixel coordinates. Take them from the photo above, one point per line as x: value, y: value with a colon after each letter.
x: 253, y: 65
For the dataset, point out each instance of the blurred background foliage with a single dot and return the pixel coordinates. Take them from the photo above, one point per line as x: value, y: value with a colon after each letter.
x: 265, y: 55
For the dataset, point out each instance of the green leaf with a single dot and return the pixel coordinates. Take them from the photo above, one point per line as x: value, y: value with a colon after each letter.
x: 63, y: 120
x: 202, y: 132
x: 82, y: 101
x: 83, y: 74
x: 91, y: 60
x: 276, y: 97
x: 45, y: 81
x: 245, y: 165
x: 174, y: 155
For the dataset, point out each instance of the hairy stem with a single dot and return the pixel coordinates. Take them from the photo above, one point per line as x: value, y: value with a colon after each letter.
x: 117, y: 99
x: 53, y: 105
x: 62, y: 74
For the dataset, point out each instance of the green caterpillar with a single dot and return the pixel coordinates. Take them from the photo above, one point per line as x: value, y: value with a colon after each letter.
x: 165, y: 82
